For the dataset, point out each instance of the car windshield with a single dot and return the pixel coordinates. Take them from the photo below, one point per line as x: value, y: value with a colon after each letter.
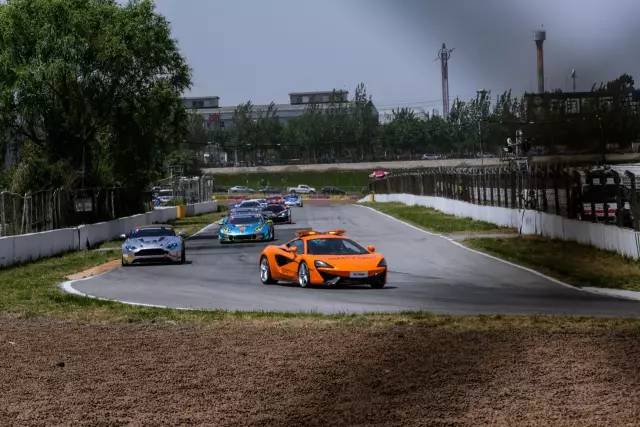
x: 274, y: 208
x: 249, y: 204
x: 152, y: 232
x: 334, y: 246
x: 240, y: 220
x: 243, y: 211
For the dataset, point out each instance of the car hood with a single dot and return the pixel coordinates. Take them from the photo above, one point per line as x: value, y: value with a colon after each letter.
x: 152, y: 242
x: 243, y: 228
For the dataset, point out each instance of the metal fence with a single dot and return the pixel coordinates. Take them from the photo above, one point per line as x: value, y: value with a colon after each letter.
x: 608, y: 195
x: 58, y: 208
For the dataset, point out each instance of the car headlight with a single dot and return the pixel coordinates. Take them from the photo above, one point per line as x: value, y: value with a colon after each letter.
x: 129, y: 248
x: 382, y: 263
x: 322, y: 264
x: 283, y: 213
x: 172, y: 245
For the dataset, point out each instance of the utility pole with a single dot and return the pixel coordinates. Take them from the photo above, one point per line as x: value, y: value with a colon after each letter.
x: 481, y: 96
x: 573, y: 78
x: 444, y: 55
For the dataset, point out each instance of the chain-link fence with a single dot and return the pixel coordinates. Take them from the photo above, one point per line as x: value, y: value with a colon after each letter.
x: 58, y: 208
x: 608, y: 195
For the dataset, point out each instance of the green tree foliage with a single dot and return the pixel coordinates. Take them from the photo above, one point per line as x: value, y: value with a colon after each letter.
x: 92, y: 87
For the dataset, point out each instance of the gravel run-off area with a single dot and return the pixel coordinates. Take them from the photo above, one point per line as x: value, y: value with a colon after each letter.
x: 312, y: 372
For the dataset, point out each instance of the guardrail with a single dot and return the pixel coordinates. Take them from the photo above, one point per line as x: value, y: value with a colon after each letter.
x: 557, y: 189
x: 624, y: 241
x: 32, y: 246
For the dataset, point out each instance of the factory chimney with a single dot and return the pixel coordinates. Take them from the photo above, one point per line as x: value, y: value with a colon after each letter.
x: 539, y: 36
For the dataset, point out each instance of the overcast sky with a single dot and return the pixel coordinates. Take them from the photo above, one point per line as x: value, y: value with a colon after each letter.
x: 262, y: 50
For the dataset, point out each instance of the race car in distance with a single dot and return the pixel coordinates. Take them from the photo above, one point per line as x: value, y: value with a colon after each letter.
x: 323, y: 258
x: 293, y: 200
x: 303, y: 189
x: 241, y: 189
x: 277, y: 213
x: 249, y: 204
x: 379, y: 174
x: 275, y: 200
x: 153, y: 243
x: 246, y: 228
x: 332, y: 190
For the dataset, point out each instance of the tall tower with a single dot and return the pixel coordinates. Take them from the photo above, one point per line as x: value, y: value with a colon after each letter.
x: 444, y: 55
x: 539, y: 36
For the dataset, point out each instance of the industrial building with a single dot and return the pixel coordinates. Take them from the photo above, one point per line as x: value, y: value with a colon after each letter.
x: 216, y: 116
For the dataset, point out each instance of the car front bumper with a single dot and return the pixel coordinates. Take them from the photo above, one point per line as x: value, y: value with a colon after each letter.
x: 237, y: 237
x: 331, y: 276
x: 156, y: 256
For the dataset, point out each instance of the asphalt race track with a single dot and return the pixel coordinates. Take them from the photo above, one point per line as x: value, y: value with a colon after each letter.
x: 427, y: 272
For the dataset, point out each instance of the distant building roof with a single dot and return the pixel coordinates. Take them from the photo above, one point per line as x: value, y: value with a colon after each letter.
x: 320, y: 92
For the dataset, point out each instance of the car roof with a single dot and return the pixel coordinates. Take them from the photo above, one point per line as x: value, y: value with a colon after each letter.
x: 145, y: 227
x: 322, y: 236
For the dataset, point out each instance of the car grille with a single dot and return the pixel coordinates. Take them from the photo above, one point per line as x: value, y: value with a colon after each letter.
x: 151, y: 252
x: 348, y: 280
x: 243, y: 237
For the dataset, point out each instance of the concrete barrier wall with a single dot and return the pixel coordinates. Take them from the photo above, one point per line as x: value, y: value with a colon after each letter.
x: 27, y: 247
x: 624, y: 241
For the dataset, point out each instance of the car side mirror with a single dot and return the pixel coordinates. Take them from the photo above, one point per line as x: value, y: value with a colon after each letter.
x: 182, y: 234
x: 292, y: 250
x: 221, y: 221
x: 123, y: 237
x: 371, y: 248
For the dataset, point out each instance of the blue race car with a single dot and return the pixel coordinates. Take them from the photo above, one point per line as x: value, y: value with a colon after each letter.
x: 293, y: 200
x: 246, y: 228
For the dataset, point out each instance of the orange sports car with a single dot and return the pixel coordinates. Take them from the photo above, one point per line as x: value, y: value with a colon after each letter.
x: 323, y: 258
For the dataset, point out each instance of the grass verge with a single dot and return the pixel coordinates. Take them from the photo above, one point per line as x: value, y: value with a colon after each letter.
x: 570, y: 262
x: 31, y: 290
x: 435, y: 220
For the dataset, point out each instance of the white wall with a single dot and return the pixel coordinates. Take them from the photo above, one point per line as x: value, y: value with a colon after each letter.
x: 624, y: 241
x: 26, y: 247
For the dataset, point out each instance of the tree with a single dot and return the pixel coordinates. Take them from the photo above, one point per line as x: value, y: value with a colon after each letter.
x: 94, y: 86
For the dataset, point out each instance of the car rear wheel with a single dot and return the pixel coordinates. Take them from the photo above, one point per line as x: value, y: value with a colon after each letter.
x: 265, y: 272
x: 303, y: 275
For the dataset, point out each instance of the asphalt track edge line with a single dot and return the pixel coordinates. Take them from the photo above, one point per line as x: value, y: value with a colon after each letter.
x: 530, y: 270
x: 67, y: 286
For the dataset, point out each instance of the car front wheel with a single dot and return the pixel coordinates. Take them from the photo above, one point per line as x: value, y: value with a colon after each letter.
x: 303, y: 275
x: 379, y: 282
x: 265, y: 272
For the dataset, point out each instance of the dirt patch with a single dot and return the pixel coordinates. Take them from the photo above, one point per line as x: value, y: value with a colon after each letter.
x: 94, y: 271
x: 270, y: 373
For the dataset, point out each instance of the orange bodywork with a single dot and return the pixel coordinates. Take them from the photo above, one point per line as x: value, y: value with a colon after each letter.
x: 367, y: 267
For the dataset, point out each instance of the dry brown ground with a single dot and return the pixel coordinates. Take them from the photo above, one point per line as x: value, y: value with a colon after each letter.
x: 312, y: 372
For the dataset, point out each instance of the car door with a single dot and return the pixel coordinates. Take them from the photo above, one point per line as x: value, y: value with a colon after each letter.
x: 288, y: 262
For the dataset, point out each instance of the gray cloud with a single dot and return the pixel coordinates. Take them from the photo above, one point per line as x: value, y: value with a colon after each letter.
x: 259, y: 50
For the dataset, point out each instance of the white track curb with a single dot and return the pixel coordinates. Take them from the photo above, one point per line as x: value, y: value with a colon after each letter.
x: 67, y: 286
x: 626, y: 295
